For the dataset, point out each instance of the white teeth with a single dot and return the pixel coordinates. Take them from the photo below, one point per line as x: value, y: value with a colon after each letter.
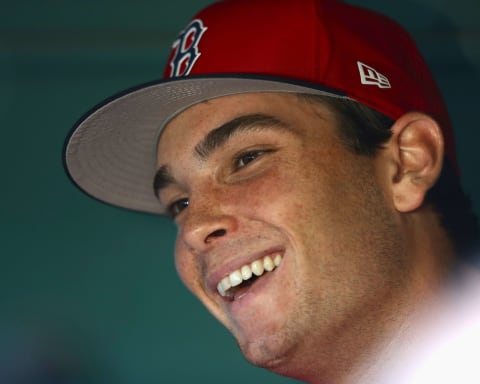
x: 224, y: 285
x: 257, y: 268
x: 246, y: 272
x: 268, y: 264
x: 236, y: 278
x: 277, y: 261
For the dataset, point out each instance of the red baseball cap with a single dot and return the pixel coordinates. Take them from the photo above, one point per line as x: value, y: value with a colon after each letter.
x: 240, y: 46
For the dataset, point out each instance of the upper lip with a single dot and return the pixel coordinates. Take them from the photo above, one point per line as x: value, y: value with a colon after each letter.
x: 237, y: 262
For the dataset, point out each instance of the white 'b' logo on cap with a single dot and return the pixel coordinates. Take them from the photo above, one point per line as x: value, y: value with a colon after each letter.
x: 185, y: 49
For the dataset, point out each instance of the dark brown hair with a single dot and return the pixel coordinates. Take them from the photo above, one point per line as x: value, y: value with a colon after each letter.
x: 364, y: 131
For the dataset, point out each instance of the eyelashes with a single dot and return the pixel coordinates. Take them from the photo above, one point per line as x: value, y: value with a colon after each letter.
x: 245, y: 158
x: 175, y: 208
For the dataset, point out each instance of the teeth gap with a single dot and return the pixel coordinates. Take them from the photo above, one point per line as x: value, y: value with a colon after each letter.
x: 246, y: 283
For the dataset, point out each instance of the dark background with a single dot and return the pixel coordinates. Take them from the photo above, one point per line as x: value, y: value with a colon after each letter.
x: 88, y: 292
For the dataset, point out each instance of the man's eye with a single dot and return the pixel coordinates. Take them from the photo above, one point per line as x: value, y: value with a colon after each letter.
x: 245, y: 158
x: 176, y: 207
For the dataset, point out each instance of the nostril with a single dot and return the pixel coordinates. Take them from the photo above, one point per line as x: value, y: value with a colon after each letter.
x: 217, y: 233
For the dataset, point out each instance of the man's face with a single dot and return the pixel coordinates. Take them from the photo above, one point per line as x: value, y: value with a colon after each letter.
x: 266, y: 175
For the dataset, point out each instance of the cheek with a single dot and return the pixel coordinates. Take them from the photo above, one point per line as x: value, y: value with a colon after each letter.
x: 184, y: 264
x: 270, y: 196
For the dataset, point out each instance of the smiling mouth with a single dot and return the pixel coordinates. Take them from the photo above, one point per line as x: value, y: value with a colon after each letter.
x: 230, y: 286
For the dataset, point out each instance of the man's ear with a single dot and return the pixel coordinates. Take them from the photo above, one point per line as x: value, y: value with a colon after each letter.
x: 417, y: 150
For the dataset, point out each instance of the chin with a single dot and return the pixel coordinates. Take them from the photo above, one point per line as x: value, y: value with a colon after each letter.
x: 268, y: 352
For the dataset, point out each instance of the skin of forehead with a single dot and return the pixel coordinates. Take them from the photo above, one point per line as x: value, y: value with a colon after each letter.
x: 242, y: 99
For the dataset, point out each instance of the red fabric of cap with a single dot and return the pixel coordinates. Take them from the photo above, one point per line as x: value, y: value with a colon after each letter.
x: 241, y: 46
x: 322, y: 42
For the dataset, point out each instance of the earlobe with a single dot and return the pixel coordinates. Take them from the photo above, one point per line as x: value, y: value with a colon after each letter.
x: 418, y: 148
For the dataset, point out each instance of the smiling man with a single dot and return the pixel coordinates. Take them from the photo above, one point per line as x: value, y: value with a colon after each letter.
x: 307, y: 158
x: 282, y: 186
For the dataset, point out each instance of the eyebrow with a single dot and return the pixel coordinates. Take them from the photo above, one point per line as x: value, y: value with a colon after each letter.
x: 217, y: 138
x: 162, y: 179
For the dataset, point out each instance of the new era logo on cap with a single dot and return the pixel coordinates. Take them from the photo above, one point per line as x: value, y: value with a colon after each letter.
x: 185, y: 49
x: 370, y: 76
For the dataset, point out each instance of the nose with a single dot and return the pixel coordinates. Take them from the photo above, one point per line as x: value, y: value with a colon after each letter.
x: 206, y: 224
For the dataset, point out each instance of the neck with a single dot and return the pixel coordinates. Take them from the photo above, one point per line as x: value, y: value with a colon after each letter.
x: 355, y: 354
x: 432, y: 261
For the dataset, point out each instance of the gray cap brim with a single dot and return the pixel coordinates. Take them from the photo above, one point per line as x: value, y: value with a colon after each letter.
x: 111, y: 152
